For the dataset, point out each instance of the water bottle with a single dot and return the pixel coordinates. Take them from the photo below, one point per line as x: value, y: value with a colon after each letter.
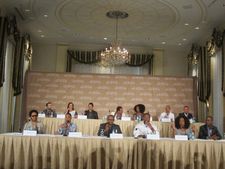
x: 102, y: 132
x: 192, y: 135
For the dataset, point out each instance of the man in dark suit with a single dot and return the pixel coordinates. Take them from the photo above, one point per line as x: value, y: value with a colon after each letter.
x: 109, y: 127
x: 186, y: 113
x: 209, y: 131
x: 90, y: 113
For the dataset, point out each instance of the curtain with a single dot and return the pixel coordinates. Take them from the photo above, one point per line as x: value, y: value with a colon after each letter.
x: 139, y: 59
x: 86, y: 57
x: 18, y: 65
x: 223, y: 64
x: 91, y: 57
x: 204, y: 78
x: 3, y: 42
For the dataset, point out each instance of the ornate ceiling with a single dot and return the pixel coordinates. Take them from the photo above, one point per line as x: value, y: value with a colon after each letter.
x: 155, y: 23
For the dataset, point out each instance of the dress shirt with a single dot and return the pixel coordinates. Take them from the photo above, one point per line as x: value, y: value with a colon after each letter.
x: 143, y: 129
x: 66, y: 128
x: 164, y: 115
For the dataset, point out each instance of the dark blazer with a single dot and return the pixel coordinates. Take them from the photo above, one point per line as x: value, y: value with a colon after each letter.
x: 189, y: 116
x: 49, y: 113
x: 114, y: 127
x: 203, y: 132
x: 91, y: 115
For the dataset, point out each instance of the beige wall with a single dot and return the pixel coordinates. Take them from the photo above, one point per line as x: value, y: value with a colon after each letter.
x: 52, y: 58
x: 175, y: 62
x: 44, y: 57
x: 108, y: 91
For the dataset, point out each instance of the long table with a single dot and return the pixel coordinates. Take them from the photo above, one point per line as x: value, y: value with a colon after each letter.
x: 58, y: 152
x: 90, y: 127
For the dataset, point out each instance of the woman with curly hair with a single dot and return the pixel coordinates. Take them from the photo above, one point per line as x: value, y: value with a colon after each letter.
x: 182, y: 126
x: 139, y: 112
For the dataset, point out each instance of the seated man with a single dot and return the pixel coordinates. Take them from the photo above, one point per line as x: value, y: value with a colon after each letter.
x: 49, y: 111
x: 145, y: 127
x: 90, y: 113
x: 67, y: 126
x: 109, y: 127
x: 167, y: 114
x: 186, y: 113
x: 209, y: 131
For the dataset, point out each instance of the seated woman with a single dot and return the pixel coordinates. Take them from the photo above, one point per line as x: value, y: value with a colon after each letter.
x: 71, y: 110
x: 67, y: 126
x: 144, y: 128
x: 182, y: 127
x: 33, y: 123
x: 139, y: 111
x: 119, y: 113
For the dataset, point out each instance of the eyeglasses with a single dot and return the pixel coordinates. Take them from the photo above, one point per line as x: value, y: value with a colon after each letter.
x: 34, y: 116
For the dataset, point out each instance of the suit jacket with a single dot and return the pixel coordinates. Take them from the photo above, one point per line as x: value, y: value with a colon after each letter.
x: 91, y: 115
x: 114, y: 127
x: 189, y: 116
x: 203, y: 132
x: 49, y: 113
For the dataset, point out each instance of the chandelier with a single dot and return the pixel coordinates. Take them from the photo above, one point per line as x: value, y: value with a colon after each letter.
x: 115, y: 55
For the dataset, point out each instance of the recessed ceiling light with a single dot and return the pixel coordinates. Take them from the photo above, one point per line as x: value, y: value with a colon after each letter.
x: 27, y: 10
x: 179, y: 44
x: 45, y: 15
x: 184, y: 39
x: 186, y: 24
x: 197, y: 28
x: 163, y: 43
x: 39, y: 31
x: 42, y: 36
x: 105, y: 38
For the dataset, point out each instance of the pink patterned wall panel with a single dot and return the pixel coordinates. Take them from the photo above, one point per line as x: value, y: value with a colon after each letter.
x: 108, y: 91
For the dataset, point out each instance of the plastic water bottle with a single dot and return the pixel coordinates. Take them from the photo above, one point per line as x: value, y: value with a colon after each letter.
x: 192, y: 135
x: 102, y: 132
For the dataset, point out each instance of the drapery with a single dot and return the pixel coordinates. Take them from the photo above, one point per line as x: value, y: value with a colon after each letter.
x: 87, y: 57
x: 3, y: 42
x: 218, y: 41
x: 90, y: 57
x: 204, y: 80
x: 18, y: 66
x: 139, y: 59
x: 223, y: 64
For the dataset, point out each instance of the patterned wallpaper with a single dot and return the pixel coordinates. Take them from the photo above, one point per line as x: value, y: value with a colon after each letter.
x: 107, y: 92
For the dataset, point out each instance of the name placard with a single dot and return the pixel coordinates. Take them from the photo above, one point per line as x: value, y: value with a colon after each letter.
x: 165, y: 120
x: 42, y: 115
x: 125, y: 118
x: 29, y: 132
x: 181, y: 137
x: 153, y: 136
x: 75, y: 134
x: 60, y: 116
x: 82, y: 117
x: 116, y: 135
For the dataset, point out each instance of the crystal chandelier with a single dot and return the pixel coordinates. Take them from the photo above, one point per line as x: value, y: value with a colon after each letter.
x: 115, y: 55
